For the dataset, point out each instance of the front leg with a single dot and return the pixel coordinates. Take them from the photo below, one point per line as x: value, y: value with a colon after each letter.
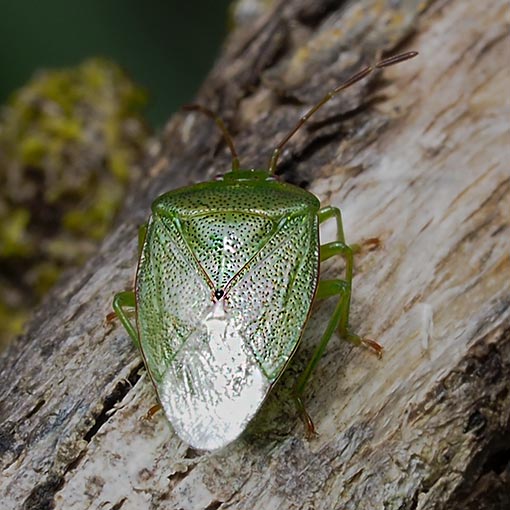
x: 123, y: 300
x: 127, y: 299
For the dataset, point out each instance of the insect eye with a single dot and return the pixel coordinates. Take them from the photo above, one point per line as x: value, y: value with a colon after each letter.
x: 218, y: 294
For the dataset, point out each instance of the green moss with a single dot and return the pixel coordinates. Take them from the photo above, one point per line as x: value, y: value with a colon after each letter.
x: 32, y: 150
x: 71, y: 141
x: 62, y: 129
x: 119, y: 164
x: 14, y: 240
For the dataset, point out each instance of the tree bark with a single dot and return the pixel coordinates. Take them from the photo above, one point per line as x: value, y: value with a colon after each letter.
x: 417, y: 157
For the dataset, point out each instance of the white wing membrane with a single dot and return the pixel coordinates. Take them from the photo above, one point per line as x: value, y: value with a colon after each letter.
x: 214, y: 385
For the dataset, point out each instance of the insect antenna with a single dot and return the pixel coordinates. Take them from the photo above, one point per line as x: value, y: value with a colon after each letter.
x: 396, y: 59
x: 221, y: 125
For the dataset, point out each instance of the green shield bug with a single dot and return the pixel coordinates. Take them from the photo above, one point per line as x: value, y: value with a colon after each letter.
x: 226, y: 278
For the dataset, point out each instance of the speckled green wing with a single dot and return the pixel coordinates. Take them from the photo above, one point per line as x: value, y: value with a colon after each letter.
x: 271, y: 296
x: 214, y: 360
x: 172, y: 296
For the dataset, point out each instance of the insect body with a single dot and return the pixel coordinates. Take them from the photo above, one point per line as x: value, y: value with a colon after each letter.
x: 227, y: 275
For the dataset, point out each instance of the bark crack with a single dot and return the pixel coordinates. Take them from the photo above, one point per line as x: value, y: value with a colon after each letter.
x: 122, y: 388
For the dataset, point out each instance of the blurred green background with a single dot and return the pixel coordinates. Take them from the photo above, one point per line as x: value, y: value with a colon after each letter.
x: 166, y: 46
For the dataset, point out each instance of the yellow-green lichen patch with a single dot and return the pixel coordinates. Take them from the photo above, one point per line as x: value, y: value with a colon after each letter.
x: 71, y: 141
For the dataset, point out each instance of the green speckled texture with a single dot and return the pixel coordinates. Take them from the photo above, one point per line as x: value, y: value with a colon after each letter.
x: 256, y: 240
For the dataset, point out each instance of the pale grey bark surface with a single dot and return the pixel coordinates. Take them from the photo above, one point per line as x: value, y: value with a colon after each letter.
x: 418, y: 158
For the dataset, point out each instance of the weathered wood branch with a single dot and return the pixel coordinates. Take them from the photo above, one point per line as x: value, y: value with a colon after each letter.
x: 417, y: 157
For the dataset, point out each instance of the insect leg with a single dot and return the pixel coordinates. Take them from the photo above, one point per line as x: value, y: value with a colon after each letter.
x: 326, y: 288
x: 330, y: 250
x: 339, y: 247
x: 127, y: 298
x: 121, y: 300
x: 153, y: 410
x: 332, y: 212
